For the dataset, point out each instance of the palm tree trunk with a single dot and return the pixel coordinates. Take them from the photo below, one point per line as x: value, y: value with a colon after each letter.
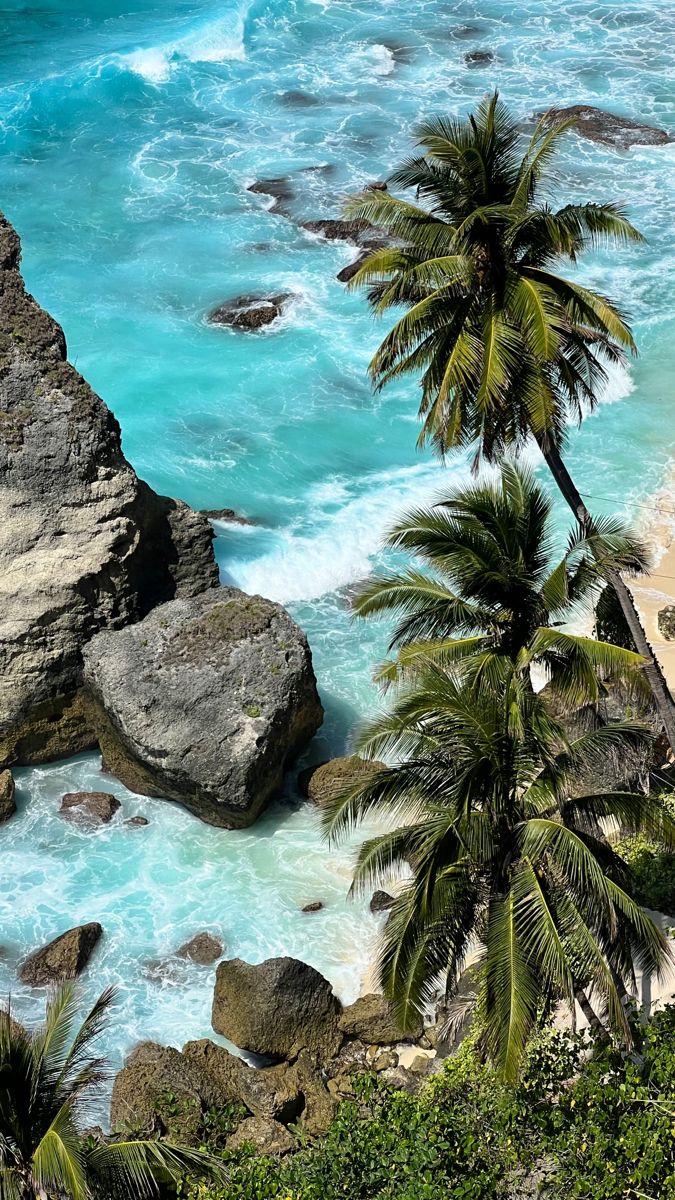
x: 590, y: 1014
x: 662, y: 697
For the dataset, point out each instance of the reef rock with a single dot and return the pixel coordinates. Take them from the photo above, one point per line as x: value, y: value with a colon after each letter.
x: 91, y: 808
x: 371, y: 1019
x: 249, y: 312
x: 7, y: 801
x: 323, y: 782
x: 84, y: 543
x: 205, y: 702
x: 666, y: 622
x: 203, y: 948
x: 478, y: 58
x: 380, y: 901
x: 62, y: 959
x: 276, y: 1008
x: 608, y: 128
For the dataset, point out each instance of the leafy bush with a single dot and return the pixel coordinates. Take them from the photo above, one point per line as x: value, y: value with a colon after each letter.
x: 602, y: 1126
x: 653, y: 869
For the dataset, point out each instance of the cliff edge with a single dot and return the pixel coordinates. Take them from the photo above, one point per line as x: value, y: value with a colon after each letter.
x: 85, y: 545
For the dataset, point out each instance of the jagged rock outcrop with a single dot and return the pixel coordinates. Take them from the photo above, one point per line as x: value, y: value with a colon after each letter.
x: 276, y: 1008
x: 63, y: 958
x: 322, y: 783
x: 610, y: 129
x: 380, y: 901
x: 205, y: 701
x: 7, y: 791
x: 371, y: 1019
x: 267, y: 1137
x: 159, y: 1089
x: 89, y: 808
x: 84, y: 543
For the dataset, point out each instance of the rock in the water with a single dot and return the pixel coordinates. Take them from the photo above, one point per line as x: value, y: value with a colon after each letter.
x: 298, y: 100
x: 137, y: 821
x: 266, y: 1137
x: 203, y: 948
x: 204, y: 702
x: 608, y: 128
x: 7, y: 792
x: 371, y: 1019
x: 357, y: 232
x: 63, y: 958
x: 378, y: 185
x: 84, y: 544
x: 228, y: 515
x: 89, y: 808
x: 479, y: 58
x: 666, y: 622
x: 276, y: 1008
x: 380, y: 902
x: 313, y: 906
x: 323, y: 782
x: 350, y: 270
x: 249, y: 312
x: 280, y: 189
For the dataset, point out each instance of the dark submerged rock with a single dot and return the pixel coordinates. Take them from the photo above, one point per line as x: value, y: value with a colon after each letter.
x: 7, y: 792
x: 314, y: 906
x: 249, y: 312
x: 610, y: 129
x: 297, y: 99
x: 276, y: 1008
x: 205, y: 702
x: 137, y: 821
x: 227, y: 514
x: 479, y: 58
x: 89, y: 545
x: 89, y: 808
x: 62, y: 959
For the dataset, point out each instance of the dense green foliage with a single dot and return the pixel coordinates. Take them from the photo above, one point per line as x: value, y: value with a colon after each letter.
x: 608, y: 1134
x: 653, y: 868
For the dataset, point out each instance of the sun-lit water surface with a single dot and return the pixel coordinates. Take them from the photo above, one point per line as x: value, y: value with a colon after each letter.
x: 128, y: 137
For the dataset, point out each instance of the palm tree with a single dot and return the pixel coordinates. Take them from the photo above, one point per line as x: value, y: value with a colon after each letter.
x: 47, y: 1077
x: 491, y: 586
x: 502, y: 857
x: 506, y: 347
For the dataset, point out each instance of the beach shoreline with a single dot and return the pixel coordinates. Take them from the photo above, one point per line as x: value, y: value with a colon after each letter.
x: 654, y: 591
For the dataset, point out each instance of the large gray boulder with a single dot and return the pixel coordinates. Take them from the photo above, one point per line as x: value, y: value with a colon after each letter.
x: 276, y: 1008
x: 61, y: 959
x: 159, y: 1090
x: 84, y: 543
x: 205, y: 702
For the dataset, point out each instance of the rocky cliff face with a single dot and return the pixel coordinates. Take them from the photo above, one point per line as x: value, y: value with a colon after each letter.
x: 85, y: 545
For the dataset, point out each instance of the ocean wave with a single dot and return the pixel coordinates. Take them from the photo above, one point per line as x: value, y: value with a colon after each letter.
x: 221, y: 40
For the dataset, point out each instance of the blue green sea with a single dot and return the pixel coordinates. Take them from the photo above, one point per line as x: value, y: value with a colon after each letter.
x: 130, y: 131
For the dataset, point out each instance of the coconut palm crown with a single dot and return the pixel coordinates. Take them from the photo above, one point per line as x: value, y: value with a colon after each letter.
x: 486, y: 582
x: 504, y: 345
x: 48, y: 1079
x: 499, y: 858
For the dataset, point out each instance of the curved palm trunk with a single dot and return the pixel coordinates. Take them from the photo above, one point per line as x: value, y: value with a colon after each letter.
x: 662, y: 696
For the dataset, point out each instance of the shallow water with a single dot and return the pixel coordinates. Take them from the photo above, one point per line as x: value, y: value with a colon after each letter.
x: 128, y: 139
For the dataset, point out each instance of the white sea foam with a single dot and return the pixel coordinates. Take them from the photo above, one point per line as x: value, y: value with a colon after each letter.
x: 216, y: 41
x: 303, y: 566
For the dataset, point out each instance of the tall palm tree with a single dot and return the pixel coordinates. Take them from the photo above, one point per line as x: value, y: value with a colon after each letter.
x: 502, y: 857
x: 489, y: 585
x: 47, y: 1077
x: 506, y: 346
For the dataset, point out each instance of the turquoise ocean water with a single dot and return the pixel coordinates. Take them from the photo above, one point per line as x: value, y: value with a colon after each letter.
x: 129, y: 133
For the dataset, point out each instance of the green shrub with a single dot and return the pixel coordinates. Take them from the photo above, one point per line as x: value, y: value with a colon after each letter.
x: 653, y: 868
x: 603, y: 1126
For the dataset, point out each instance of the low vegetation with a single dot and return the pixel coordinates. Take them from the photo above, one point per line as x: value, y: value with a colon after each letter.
x: 588, y: 1127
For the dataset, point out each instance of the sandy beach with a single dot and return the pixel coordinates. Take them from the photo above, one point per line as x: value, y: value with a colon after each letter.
x: 658, y: 589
